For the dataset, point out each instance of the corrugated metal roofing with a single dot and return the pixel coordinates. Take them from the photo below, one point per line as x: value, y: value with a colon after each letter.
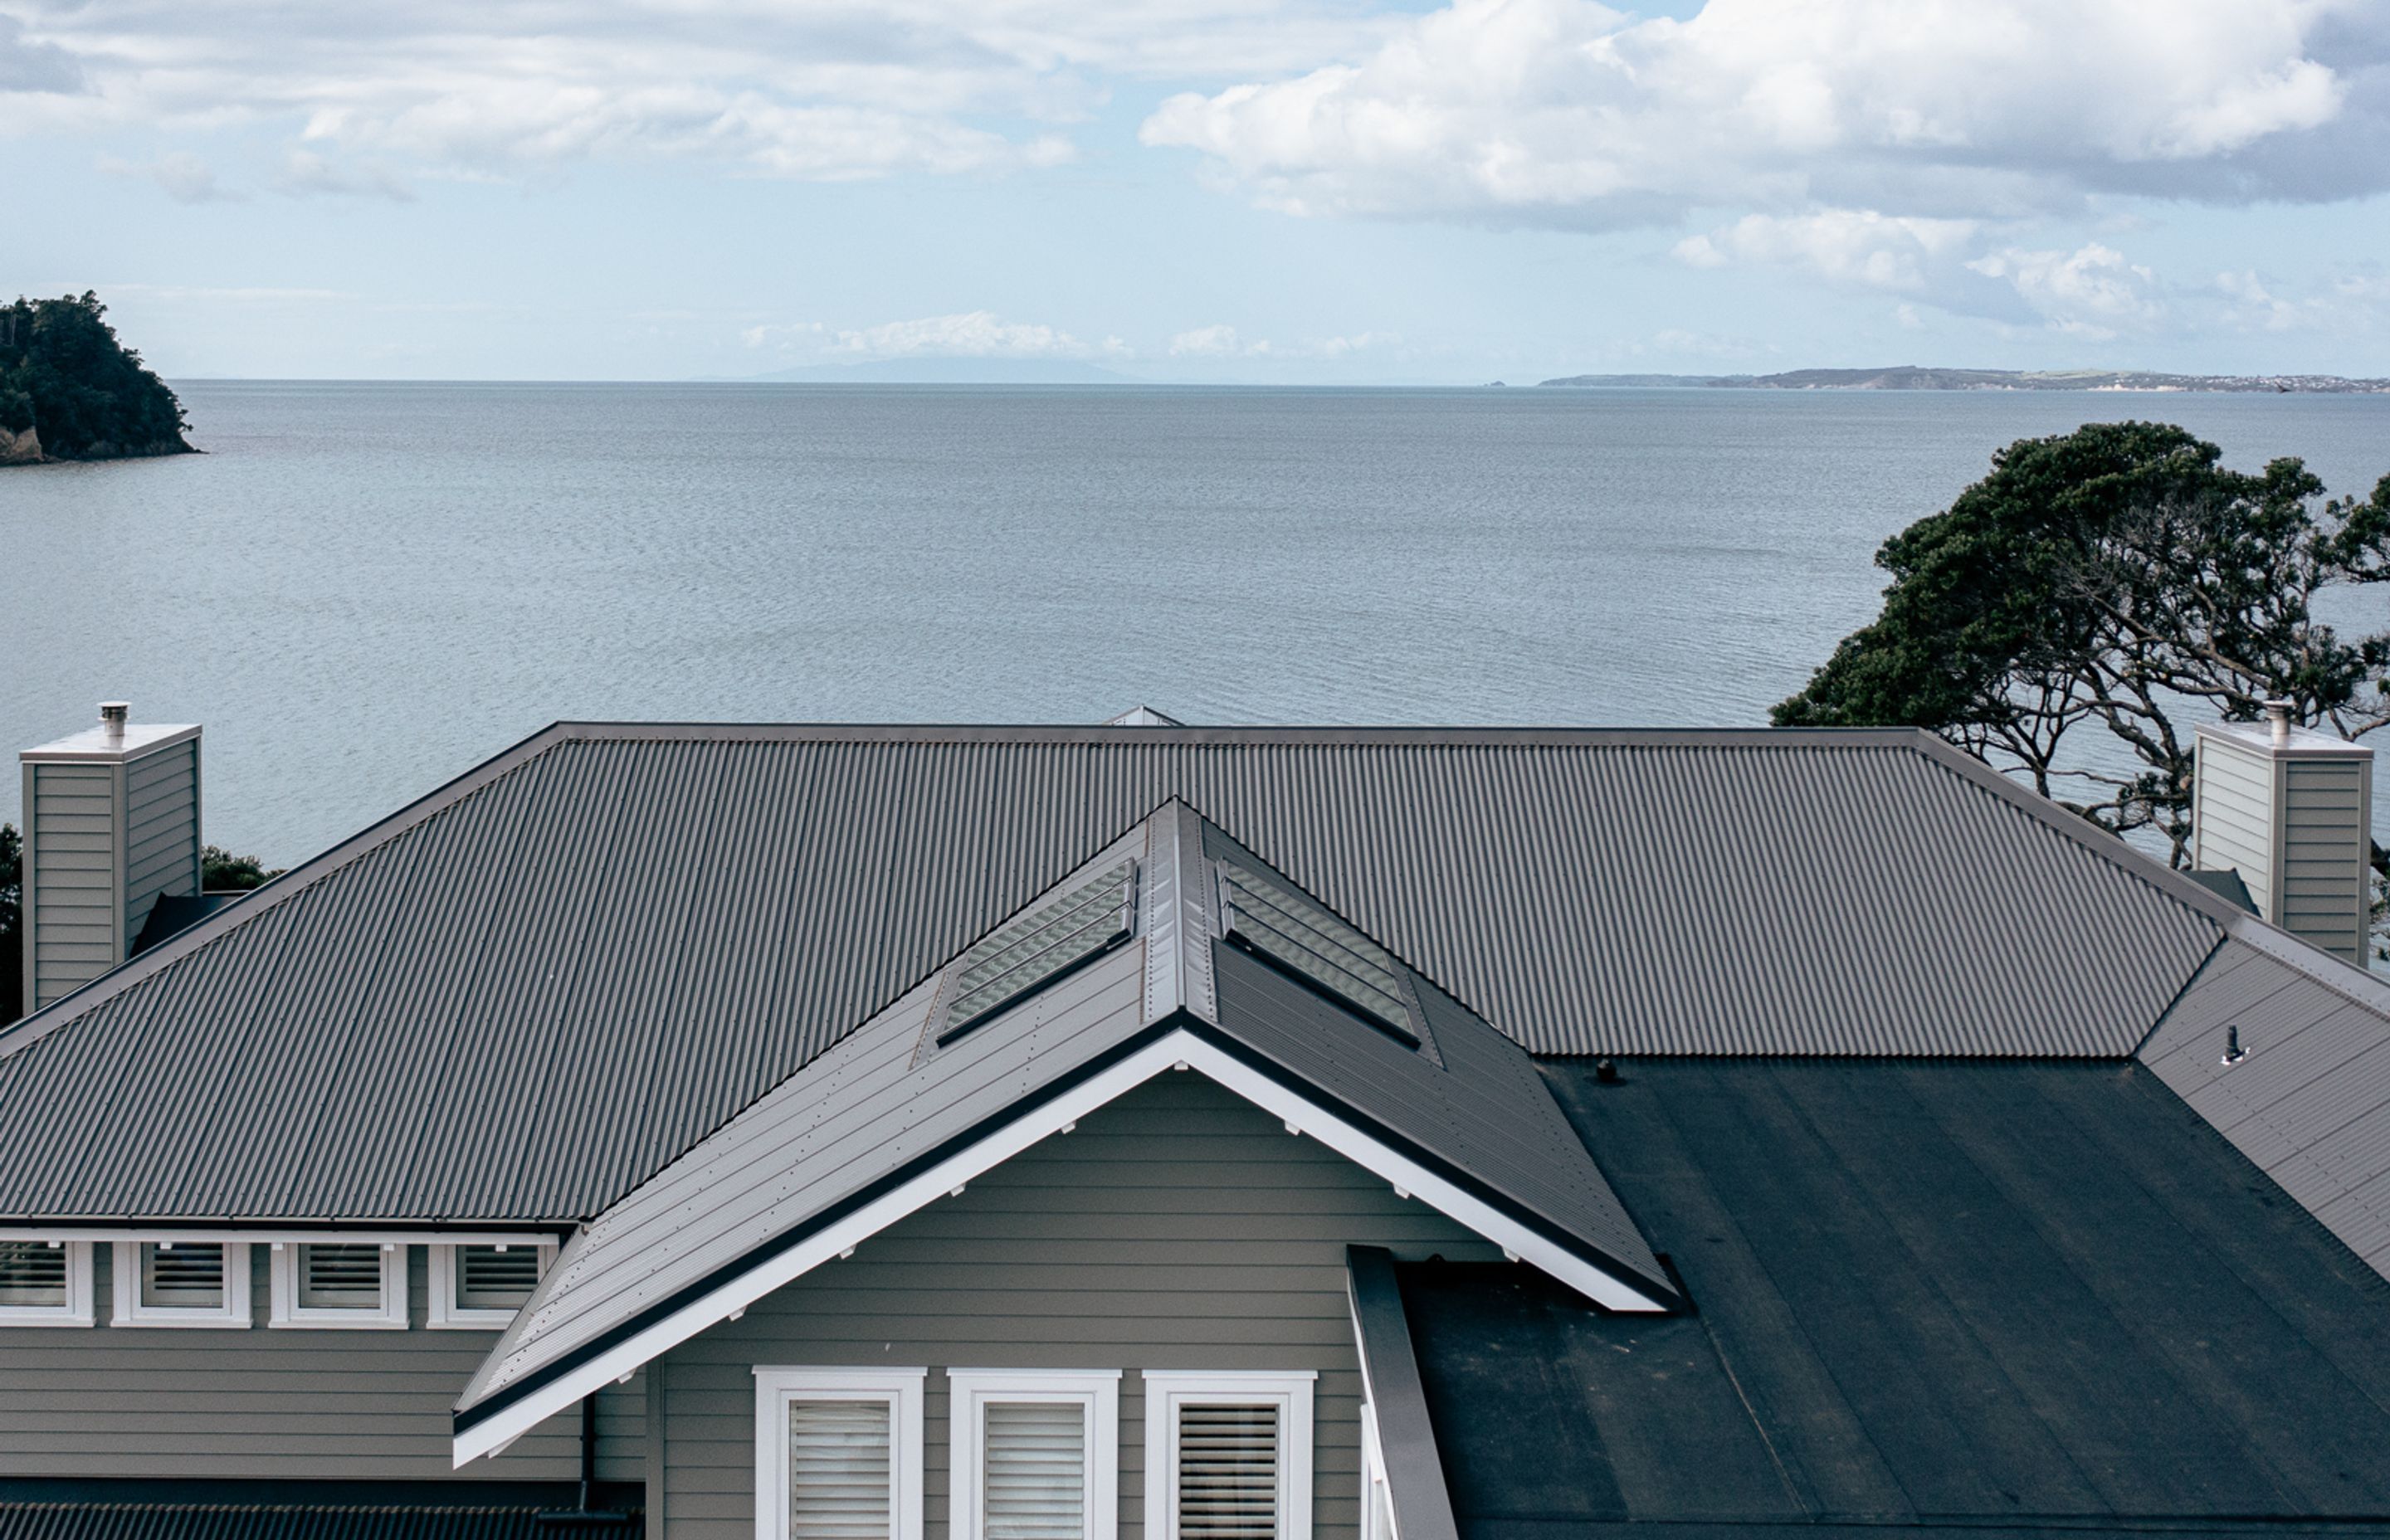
x: 462, y: 1519
x: 2309, y: 1100
x: 892, y: 1098
x: 529, y: 992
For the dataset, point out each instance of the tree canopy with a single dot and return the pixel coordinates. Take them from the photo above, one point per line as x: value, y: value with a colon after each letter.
x: 222, y: 872
x: 64, y: 374
x: 2115, y: 578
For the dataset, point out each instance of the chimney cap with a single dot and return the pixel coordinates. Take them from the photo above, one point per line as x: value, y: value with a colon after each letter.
x: 115, y: 740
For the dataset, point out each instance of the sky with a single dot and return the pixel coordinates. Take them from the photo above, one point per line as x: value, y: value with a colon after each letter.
x: 1274, y: 191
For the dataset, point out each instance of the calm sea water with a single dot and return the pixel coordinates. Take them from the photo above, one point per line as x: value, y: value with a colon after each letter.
x: 364, y: 589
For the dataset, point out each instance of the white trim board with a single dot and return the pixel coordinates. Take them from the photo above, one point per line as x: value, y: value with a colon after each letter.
x: 1178, y: 1050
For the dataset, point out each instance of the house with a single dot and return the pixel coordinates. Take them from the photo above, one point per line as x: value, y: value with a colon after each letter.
x: 1146, y: 1131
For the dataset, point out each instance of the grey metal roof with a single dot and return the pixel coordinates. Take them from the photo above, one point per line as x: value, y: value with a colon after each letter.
x: 895, y: 1096
x: 1955, y: 1298
x: 2309, y: 1099
x: 524, y: 995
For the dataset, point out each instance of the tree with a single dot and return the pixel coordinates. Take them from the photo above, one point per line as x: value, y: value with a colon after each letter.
x: 63, y: 373
x: 222, y: 872
x: 2116, y: 578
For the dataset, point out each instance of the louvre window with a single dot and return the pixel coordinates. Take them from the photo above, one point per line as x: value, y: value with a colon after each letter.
x: 1228, y: 1457
x: 340, y: 1277
x: 33, y: 1274
x: 1228, y: 1471
x: 45, y: 1282
x: 839, y: 1454
x: 495, y: 1277
x: 482, y: 1286
x: 1284, y: 928
x: 198, y: 1283
x: 1031, y: 952
x: 1036, y: 1453
x: 182, y: 1277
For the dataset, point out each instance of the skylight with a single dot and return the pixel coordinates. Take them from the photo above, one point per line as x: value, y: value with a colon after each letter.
x: 1041, y: 946
x: 1285, y: 928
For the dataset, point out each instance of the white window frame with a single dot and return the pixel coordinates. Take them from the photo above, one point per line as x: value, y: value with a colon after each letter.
x: 77, y: 1310
x: 900, y: 1388
x: 970, y: 1390
x: 1167, y: 1390
x: 288, y: 1314
x: 445, y: 1314
x: 232, y: 1314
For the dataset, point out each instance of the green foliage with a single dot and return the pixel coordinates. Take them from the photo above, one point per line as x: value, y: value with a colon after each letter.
x: 62, y: 372
x: 2115, y: 577
x: 12, y: 935
x: 222, y: 872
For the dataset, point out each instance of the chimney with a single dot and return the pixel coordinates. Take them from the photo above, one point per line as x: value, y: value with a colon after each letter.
x: 112, y: 824
x: 2292, y: 811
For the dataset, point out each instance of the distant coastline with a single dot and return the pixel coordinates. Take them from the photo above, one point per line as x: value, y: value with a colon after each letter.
x: 1909, y: 376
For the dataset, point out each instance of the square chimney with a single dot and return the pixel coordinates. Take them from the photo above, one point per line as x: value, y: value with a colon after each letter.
x: 2292, y: 811
x: 111, y: 823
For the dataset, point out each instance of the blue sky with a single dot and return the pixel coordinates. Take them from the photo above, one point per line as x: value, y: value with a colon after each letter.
x: 1207, y: 189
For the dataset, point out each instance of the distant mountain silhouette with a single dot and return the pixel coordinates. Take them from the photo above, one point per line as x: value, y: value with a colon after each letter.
x: 1909, y: 376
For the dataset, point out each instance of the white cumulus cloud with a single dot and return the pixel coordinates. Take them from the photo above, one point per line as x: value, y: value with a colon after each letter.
x: 1567, y: 112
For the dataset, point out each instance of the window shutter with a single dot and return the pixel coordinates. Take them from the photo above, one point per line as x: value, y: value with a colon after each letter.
x: 492, y: 1277
x: 839, y: 1472
x: 32, y: 1273
x: 1034, y: 1470
x: 187, y: 1277
x: 340, y: 1277
x: 1227, y: 1473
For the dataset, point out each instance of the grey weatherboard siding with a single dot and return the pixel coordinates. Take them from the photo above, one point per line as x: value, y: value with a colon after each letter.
x: 524, y: 995
x: 271, y: 1403
x: 1179, y: 1229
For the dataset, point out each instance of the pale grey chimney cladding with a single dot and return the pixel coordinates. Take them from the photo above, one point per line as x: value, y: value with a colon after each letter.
x: 2291, y: 810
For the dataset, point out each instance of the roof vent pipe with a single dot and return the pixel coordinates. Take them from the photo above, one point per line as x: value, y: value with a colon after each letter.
x: 2278, y: 722
x: 113, y: 715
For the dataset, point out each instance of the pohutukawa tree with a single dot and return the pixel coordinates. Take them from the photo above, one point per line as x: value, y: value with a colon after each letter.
x: 2104, y: 589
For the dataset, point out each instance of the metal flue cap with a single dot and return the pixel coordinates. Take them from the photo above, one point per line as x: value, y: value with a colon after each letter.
x: 113, y: 714
x: 2278, y: 720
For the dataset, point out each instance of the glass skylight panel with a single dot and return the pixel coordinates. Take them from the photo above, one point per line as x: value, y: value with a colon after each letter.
x: 1299, y: 936
x: 1041, y: 946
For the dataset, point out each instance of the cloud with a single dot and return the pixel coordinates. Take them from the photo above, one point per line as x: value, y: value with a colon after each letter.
x: 185, y: 178
x: 1217, y: 341
x: 1564, y: 113
x: 307, y: 174
x: 1849, y: 245
x: 2091, y: 292
x: 833, y: 90
x: 974, y: 334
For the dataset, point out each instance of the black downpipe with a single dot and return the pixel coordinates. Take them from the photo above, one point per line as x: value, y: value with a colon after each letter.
x: 588, y: 1452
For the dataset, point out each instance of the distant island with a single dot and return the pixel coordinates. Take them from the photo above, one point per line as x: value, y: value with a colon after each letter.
x: 1909, y: 376
x: 947, y: 371
x: 70, y: 391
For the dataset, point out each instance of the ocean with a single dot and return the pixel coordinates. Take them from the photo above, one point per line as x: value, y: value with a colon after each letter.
x: 364, y: 589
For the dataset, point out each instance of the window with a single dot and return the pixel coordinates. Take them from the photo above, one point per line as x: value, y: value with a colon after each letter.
x: 1227, y: 1456
x: 44, y: 1283
x: 1035, y: 1454
x: 482, y: 1287
x: 1038, y: 948
x: 354, y: 1284
x: 838, y: 1453
x: 182, y: 1283
x: 1315, y: 947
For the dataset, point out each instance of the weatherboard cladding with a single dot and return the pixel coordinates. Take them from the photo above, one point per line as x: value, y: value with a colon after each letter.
x: 524, y: 995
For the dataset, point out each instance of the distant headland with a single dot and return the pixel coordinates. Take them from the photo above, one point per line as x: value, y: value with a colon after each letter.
x: 1909, y: 376
x: 70, y: 391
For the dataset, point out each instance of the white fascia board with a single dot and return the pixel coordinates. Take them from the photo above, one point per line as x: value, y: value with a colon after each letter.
x: 1179, y: 1047
x: 1409, y: 1176
x: 957, y: 1170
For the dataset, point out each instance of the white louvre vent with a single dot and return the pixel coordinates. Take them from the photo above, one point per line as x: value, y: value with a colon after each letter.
x: 838, y: 1470
x: 1228, y: 1471
x: 32, y: 1274
x: 1036, y: 1470
x: 182, y: 1277
x: 495, y: 1277
x: 340, y: 1277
